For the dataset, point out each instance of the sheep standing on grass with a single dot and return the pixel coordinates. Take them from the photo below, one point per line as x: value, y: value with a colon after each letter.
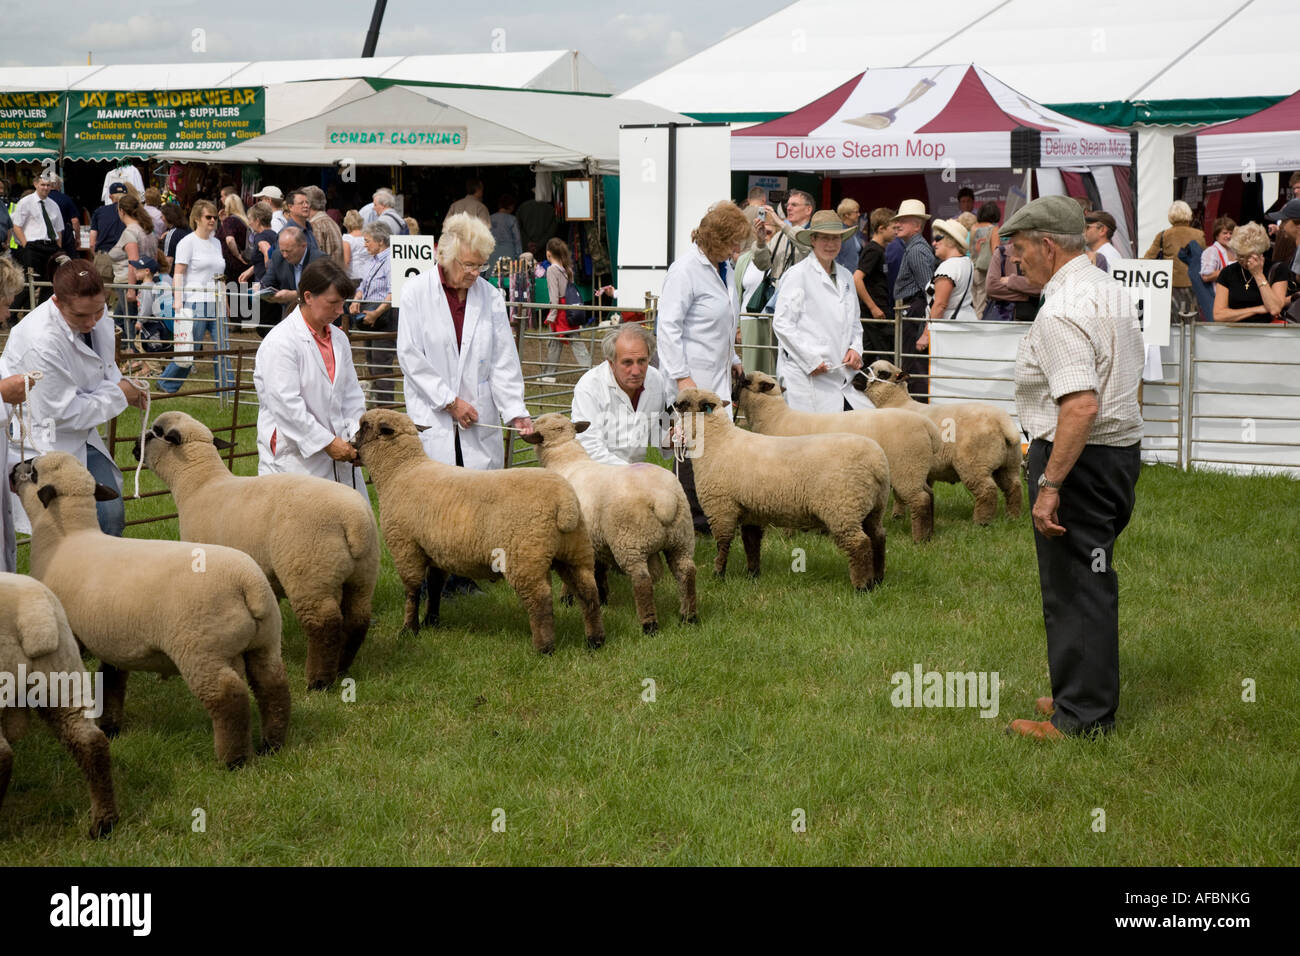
x: 205, y: 612
x: 910, y: 442
x: 838, y: 482
x: 439, y: 519
x: 981, y: 447
x: 314, y: 539
x: 34, y: 636
x: 633, y: 512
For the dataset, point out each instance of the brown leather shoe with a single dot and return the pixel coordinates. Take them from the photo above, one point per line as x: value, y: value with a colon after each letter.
x: 1045, y: 706
x: 1038, y: 729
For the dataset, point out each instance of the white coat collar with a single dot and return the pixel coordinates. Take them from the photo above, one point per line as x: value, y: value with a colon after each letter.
x: 60, y: 324
x: 303, y: 331
x: 704, y: 260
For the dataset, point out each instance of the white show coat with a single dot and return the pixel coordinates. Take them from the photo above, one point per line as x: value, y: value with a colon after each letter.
x: 816, y: 321
x: 620, y: 433
x: 77, y: 393
x: 302, y: 407
x: 699, y: 313
x: 484, y: 371
x: 10, y: 544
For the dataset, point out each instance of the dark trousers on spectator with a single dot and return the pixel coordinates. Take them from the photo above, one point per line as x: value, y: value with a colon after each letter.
x: 687, y: 477
x: 1079, y: 585
x: 36, y: 255
x: 381, y: 355
x: 877, y: 341
x: 918, y: 369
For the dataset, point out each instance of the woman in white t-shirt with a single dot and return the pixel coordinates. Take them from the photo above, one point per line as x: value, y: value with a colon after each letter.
x: 199, y: 261
x: 950, y: 292
x: 358, y: 259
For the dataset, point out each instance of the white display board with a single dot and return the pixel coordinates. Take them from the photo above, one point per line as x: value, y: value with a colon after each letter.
x: 409, y: 257
x: 1151, y: 283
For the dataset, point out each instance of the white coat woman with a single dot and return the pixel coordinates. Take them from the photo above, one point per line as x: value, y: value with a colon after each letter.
x: 699, y: 308
x: 13, y: 389
x: 816, y: 323
x: 311, y: 402
x: 458, y: 355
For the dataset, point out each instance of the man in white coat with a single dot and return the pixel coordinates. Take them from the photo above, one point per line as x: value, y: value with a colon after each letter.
x: 458, y: 355
x: 311, y: 402
x: 816, y: 324
x: 625, y: 399
x: 69, y: 340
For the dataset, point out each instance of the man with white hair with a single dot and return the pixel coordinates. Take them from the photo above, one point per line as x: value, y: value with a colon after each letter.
x: 275, y: 199
x: 624, y: 398
x: 384, y: 204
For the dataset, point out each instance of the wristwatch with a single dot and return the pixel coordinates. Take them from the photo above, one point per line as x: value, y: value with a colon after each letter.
x: 1044, y: 483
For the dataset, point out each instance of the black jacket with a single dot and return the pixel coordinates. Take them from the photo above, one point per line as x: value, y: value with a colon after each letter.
x: 279, y: 275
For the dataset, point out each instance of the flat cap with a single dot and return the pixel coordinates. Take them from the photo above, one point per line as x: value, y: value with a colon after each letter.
x: 1058, y: 214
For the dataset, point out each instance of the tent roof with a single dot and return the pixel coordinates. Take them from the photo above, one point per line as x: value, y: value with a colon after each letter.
x: 1115, y: 55
x: 542, y: 69
x: 925, y: 117
x: 1269, y: 141
x: 501, y: 127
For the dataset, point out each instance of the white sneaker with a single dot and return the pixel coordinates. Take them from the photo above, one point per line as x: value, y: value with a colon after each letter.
x: 547, y: 379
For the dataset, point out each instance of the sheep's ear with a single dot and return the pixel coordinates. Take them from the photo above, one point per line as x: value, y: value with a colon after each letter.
x: 707, y: 407
x: 385, y: 430
x: 102, y: 492
x: 46, y: 493
x: 860, y: 382
x: 903, y: 377
x: 533, y: 438
x: 173, y: 437
x: 223, y: 444
x: 581, y: 427
x: 388, y: 429
x: 766, y: 386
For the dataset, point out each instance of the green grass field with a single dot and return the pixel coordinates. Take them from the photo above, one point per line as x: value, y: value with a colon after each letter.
x: 778, y: 702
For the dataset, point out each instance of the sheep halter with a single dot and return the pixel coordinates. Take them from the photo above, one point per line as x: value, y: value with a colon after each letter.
x: 144, y: 427
x: 30, y: 378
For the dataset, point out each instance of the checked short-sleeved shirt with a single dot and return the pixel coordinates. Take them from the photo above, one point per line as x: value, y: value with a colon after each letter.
x: 1085, y: 338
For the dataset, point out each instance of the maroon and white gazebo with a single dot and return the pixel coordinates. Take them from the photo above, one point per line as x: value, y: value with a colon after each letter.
x: 1263, y: 142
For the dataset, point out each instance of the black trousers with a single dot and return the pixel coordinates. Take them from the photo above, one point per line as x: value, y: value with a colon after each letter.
x: 687, y: 478
x: 1080, y: 587
x: 918, y: 369
x: 36, y: 255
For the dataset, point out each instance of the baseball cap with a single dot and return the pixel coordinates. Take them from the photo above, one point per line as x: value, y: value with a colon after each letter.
x: 271, y: 192
x: 1105, y: 218
x: 1290, y: 211
x: 116, y: 188
x: 1058, y: 214
x: 148, y: 262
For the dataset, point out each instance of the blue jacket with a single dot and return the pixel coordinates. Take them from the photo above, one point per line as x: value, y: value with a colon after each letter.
x: 1190, y: 254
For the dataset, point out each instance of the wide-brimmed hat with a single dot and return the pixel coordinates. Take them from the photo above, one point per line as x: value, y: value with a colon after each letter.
x: 953, y: 230
x: 826, y: 223
x: 911, y: 207
x: 270, y: 192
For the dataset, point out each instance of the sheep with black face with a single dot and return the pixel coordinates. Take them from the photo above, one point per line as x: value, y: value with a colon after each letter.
x: 836, y: 482
x: 203, y: 611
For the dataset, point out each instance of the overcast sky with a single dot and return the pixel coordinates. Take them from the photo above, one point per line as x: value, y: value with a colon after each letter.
x: 624, y: 40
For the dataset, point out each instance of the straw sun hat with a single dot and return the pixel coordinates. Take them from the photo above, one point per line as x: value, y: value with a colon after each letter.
x: 827, y: 223
x: 953, y: 230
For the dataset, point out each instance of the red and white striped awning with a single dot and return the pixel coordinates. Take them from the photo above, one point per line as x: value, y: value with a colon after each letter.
x: 1263, y: 142
x: 923, y: 118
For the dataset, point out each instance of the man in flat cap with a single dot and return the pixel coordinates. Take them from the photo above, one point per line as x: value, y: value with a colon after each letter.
x: 1077, y: 376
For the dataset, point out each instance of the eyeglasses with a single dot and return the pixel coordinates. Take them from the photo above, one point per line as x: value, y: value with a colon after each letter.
x: 207, y: 215
x: 479, y: 268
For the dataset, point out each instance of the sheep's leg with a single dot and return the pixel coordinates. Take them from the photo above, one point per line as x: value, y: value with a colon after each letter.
x: 602, y: 582
x: 270, y: 684
x: 857, y: 546
x: 434, y: 579
x: 751, y: 536
x: 535, y: 593
x: 920, y: 504
x: 899, y: 511
x: 110, y: 721
x: 683, y: 568
x: 225, y: 697
x: 6, y: 766
x: 643, y: 590
x: 723, y: 528
x: 875, y: 530
x: 322, y: 622
x: 89, y: 747
x: 1008, y: 480
x: 357, y: 598
x: 985, y: 491
x: 582, y: 582
x: 411, y: 563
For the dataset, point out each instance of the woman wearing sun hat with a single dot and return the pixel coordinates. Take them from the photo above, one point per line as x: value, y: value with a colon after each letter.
x: 816, y: 322
x: 951, y: 293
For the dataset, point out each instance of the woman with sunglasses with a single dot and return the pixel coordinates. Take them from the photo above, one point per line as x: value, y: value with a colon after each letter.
x: 199, y: 260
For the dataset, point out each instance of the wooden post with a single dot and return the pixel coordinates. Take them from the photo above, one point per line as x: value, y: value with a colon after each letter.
x: 234, y: 415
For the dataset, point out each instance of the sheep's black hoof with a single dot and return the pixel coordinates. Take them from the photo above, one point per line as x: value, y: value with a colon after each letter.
x: 431, y: 621
x: 100, y: 829
x: 267, y: 749
x: 693, y: 619
x: 753, y: 575
x: 596, y: 643
x: 110, y: 730
x: 566, y: 600
x: 320, y: 684
x: 650, y: 627
x: 236, y: 763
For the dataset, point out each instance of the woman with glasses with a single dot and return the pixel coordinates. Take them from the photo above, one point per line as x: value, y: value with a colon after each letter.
x: 458, y: 354
x: 199, y: 260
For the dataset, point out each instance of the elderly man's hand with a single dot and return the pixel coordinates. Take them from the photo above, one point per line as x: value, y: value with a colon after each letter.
x: 340, y: 450
x: 524, y: 424
x: 1044, y: 513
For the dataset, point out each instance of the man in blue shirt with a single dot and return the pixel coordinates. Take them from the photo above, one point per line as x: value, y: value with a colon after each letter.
x: 105, y: 223
x: 71, y: 239
x: 914, y: 274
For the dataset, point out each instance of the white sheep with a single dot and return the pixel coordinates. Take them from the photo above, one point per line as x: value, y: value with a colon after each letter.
x: 981, y: 447
x: 315, y: 540
x: 839, y: 482
x: 35, y: 639
x: 440, y: 519
x: 910, y: 442
x: 203, y: 611
x: 633, y: 513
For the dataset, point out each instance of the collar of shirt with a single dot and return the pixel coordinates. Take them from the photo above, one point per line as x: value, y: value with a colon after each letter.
x: 616, y: 390
x: 1063, y: 274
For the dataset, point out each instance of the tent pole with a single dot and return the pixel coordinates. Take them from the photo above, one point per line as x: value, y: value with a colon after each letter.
x: 672, y: 192
x: 372, y: 35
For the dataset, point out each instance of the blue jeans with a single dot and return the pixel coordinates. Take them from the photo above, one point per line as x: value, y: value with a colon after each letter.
x: 111, y: 514
x: 205, y: 322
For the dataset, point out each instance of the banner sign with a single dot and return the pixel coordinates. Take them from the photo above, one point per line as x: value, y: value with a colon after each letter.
x: 31, y: 124
x: 408, y: 257
x: 109, y: 125
x: 421, y: 137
